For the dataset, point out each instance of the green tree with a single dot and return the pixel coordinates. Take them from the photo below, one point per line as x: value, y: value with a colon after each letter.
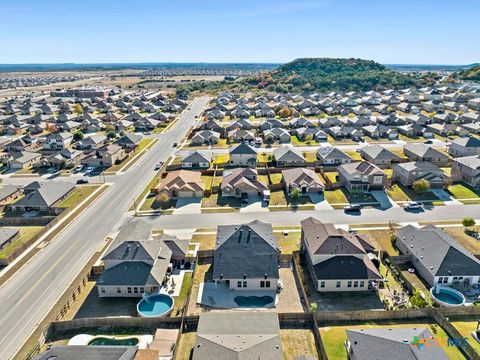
x: 78, y: 135
x: 308, y: 138
x: 418, y: 301
x: 77, y: 109
x: 421, y: 186
x: 294, y: 193
x: 112, y: 135
x: 122, y: 133
x: 468, y: 222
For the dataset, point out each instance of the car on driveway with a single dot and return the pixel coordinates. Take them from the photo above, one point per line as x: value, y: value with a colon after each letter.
x: 412, y: 205
x: 89, y: 170
x: 428, y: 141
x: 82, y: 181
x: 352, y: 208
x: 175, y: 144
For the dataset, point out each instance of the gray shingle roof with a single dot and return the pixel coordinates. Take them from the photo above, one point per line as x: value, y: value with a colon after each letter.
x: 243, y: 149
x: 89, y: 353
x: 46, y: 195
x: 347, y: 267
x: 249, y: 249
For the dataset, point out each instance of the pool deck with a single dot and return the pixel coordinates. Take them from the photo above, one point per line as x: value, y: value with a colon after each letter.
x: 173, y: 288
x: 84, y: 339
x: 221, y: 297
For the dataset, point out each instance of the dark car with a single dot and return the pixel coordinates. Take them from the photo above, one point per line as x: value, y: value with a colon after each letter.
x: 175, y: 144
x: 352, y: 208
x: 82, y: 181
x: 428, y: 141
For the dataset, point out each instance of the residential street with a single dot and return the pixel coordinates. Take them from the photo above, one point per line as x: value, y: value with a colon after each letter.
x: 28, y: 296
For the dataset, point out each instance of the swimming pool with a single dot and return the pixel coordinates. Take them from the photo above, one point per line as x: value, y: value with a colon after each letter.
x: 112, y: 341
x: 155, y: 305
x: 447, y: 296
x: 253, y: 301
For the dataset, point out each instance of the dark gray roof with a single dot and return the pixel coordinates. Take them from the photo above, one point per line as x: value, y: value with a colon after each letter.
x: 249, y: 249
x: 6, y: 234
x: 330, y: 152
x: 8, y: 190
x: 130, y: 139
x: 286, y: 153
x: 135, y: 230
x: 467, y: 142
x: 439, y: 253
x: 46, y: 195
x: 346, y: 267
x: 238, y: 336
x: 243, y: 149
x: 78, y: 352
x: 392, y: 344
x: 198, y: 156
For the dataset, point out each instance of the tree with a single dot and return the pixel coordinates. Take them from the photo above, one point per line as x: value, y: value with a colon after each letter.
x: 393, y: 238
x: 313, y: 307
x: 122, y: 133
x: 112, y: 135
x: 63, y: 164
x: 468, y: 222
x: 294, y: 193
x: 77, y: 109
x: 308, y: 138
x: 78, y: 135
x: 285, y: 112
x: 420, y: 186
x: 163, y: 198
x: 417, y: 300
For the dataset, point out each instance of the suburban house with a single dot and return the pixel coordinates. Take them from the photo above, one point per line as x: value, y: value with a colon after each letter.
x: 8, y: 193
x: 337, y: 260
x: 129, y: 141
x: 7, y: 236
x: 316, y: 133
x: 422, y: 152
x: 391, y: 343
x: 288, y: 156
x: 135, y: 263
x: 246, y: 257
x: 81, y: 352
x: 361, y: 176
x: 238, y: 335
x: 243, y: 155
x: 330, y: 155
x: 197, y: 159
x: 106, y: 156
x: 58, y: 141
x: 181, y: 184
x: 407, y: 173
x: 65, y: 157
x: 21, y: 159
x: 43, y: 196
x: 467, y: 169
x: 240, y: 182
x: 437, y: 257
x: 93, y: 142
x: 379, y: 155
x: 205, y: 137
x: 464, y: 147
x: 277, y: 134
x: 305, y: 180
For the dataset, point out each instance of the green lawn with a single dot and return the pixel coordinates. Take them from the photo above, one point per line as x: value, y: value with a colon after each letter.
x: 288, y: 243
x: 181, y: 299
x: 353, y: 154
x: 26, y: 233
x: 465, y: 240
x: 332, y: 176
x: 381, y: 240
x: 276, y: 178
x: 310, y: 156
x: 334, y: 337
x: 215, y: 200
x: 335, y: 196
x: 278, y: 198
x: 264, y: 157
x: 206, y: 241
x: 402, y: 193
x: 221, y: 159
x: 462, y: 191
x: 297, y: 342
x: 78, y: 195
x: 465, y: 328
x: 299, y: 142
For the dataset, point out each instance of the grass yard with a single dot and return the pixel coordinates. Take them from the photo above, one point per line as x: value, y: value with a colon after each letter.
x: 207, y: 181
x: 151, y: 203
x: 185, y: 346
x: 78, y: 195
x: 26, y: 233
x: 296, y: 141
x: 215, y: 200
x: 275, y: 178
x: 203, y: 273
x: 297, y: 342
x: 465, y: 328
x: 310, y: 156
x: 332, y: 176
x: 278, y: 198
x: 220, y: 159
x: 381, y: 240
x: 402, y: 193
x: 336, y: 196
x: 396, y: 193
x: 415, y: 281
x: 334, y: 337
x: 264, y: 157
x: 447, y: 171
x: 465, y: 240
x: 398, y: 152
x: 353, y: 154
x: 181, y: 299
x: 288, y: 243
x: 413, y: 138
x: 206, y: 241
x: 463, y: 191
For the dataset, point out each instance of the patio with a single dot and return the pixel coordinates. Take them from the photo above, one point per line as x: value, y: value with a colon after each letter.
x: 220, y: 296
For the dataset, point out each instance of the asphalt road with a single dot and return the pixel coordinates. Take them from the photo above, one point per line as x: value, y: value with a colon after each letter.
x: 28, y: 296
x: 367, y: 216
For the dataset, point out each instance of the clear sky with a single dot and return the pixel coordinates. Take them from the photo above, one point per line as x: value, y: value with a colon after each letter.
x: 92, y: 31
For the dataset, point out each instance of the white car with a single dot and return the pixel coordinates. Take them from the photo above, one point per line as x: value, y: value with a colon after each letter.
x: 89, y: 169
x: 412, y: 205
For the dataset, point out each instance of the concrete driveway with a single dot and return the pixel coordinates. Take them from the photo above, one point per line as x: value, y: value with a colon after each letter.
x: 255, y: 204
x: 320, y: 203
x: 447, y: 199
x: 384, y: 201
x: 188, y: 206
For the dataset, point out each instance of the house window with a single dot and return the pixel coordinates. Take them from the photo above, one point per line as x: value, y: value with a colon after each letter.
x: 322, y: 284
x: 244, y: 284
x: 129, y: 290
x: 142, y: 290
x: 103, y: 290
x: 355, y: 284
x: 119, y: 290
x: 262, y: 284
x: 339, y: 283
x: 362, y: 283
x: 239, y: 284
x: 135, y: 290
x: 267, y: 283
x: 349, y: 284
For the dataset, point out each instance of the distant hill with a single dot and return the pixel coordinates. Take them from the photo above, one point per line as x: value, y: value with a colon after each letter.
x: 472, y: 73
x: 326, y: 74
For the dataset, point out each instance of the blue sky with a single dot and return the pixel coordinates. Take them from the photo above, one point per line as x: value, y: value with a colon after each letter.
x: 86, y: 31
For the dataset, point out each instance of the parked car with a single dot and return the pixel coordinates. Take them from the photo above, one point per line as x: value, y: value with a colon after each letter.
x: 78, y: 168
x: 89, y: 170
x: 175, y: 144
x: 412, y: 205
x: 352, y: 208
x: 82, y: 181
x: 429, y: 141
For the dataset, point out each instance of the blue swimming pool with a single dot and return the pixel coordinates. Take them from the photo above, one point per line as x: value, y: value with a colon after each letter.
x: 253, y: 301
x: 155, y: 305
x: 447, y: 296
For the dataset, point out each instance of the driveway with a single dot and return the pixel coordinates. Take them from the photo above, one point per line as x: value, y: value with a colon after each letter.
x: 188, y: 206
x: 383, y: 199
x: 320, y: 203
x: 255, y: 204
x: 445, y: 197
